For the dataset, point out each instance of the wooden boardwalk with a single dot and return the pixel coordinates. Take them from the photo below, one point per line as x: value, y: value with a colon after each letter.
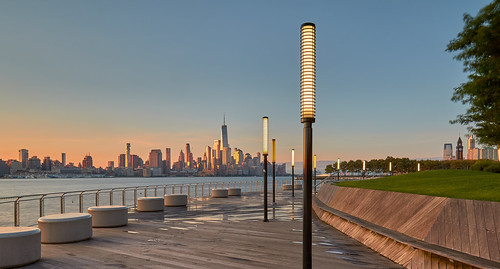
x: 214, y: 233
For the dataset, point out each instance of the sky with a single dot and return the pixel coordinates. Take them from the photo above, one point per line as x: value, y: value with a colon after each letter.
x: 89, y: 76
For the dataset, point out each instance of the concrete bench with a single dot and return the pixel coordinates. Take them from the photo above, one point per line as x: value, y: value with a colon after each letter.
x: 286, y: 187
x: 149, y: 204
x: 175, y: 199
x: 234, y: 191
x: 19, y: 246
x: 65, y: 228
x: 108, y: 216
x: 219, y: 193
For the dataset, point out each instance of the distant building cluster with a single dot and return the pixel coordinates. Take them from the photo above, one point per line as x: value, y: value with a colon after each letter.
x: 218, y: 160
x: 473, y: 153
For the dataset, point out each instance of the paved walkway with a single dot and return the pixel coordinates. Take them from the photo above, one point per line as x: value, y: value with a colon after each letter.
x: 214, y: 233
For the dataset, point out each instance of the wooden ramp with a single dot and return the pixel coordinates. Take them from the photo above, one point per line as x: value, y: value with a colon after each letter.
x: 437, y: 231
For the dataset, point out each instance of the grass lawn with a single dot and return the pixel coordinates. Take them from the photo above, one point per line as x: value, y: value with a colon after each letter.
x: 462, y: 184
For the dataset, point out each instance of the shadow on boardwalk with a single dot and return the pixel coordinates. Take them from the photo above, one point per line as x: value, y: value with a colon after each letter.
x: 214, y: 233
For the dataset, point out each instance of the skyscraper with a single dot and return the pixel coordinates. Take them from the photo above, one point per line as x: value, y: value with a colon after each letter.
x: 217, y: 152
x: 460, y: 150
x: 473, y: 153
x: 448, y: 152
x: 87, y: 162
x: 63, y: 159
x: 155, y: 158
x: 208, y: 153
x: 223, y: 136
x: 121, y: 160
x: 188, y: 160
x: 23, y: 157
x: 127, y: 157
x: 168, y: 162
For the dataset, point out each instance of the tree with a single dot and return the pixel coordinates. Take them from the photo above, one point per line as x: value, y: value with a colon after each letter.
x: 479, y: 49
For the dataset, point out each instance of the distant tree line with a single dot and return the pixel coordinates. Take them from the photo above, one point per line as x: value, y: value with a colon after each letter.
x: 399, y: 165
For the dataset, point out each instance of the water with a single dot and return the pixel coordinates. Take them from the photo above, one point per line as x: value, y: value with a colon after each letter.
x: 29, y: 207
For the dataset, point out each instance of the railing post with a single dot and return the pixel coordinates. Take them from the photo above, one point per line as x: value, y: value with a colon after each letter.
x: 182, y: 185
x: 164, y: 189
x: 173, y: 189
x: 80, y: 202
x: 145, y: 191
x: 196, y: 190
x: 189, y: 190
x: 62, y: 203
x: 202, y: 189
x: 42, y: 205
x: 123, y: 197
x: 111, y: 197
x: 156, y: 192
x: 135, y: 197
x: 97, y: 198
x: 16, y: 212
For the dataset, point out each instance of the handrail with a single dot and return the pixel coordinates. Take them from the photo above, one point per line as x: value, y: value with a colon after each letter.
x: 81, y: 194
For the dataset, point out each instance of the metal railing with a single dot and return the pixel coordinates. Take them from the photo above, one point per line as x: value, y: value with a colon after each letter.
x: 77, y: 201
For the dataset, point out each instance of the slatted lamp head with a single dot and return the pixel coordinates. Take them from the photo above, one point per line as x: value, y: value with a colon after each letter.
x: 308, y: 72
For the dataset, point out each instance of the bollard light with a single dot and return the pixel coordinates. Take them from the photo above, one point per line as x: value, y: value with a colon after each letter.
x: 308, y: 114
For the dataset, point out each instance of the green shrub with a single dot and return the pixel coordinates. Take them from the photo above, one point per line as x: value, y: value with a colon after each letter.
x: 493, y: 168
x: 482, y: 164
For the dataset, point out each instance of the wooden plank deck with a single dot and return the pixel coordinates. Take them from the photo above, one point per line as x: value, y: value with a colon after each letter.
x: 214, y: 233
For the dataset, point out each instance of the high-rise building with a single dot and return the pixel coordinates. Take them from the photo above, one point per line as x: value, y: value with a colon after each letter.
x: 238, y: 156
x: 63, y: 159
x: 155, y: 158
x: 47, y: 164
x: 34, y: 163
x: 121, y: 160
x: 23, y: 157
x: 189, y: 156
x: 226, y: 156
x: 168, y: 162
x: 111, y: 165
x: 460, y: 150
x: 127, y: 159
x: 87, y: 162
x: 448, y: 152
x: 208, y: 153
x: 135, y: 161
x: 223, y: 135
x: 216, y: 148
x: 472, y: 152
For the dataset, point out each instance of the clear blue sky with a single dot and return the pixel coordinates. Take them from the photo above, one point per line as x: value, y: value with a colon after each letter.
x: 89, y: 76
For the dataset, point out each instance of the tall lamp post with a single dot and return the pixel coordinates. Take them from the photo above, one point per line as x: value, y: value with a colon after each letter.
x: 364, y: 169
x: 338, y: 169
x: 293, y: 176
x: 308, y: 113
x: 265, y: 144
x: 314, y: 173
x: 274, y: 171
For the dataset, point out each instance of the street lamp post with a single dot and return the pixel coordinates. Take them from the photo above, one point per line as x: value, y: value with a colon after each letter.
x: 308, y: 111
x: 293, y: 176
x: 390, y: 168
x: 418, y: 167
x: 274, y: 171
x: 364, y: 168
x: 314, y: 173
x: 265, y: 142
x: 338, y: 169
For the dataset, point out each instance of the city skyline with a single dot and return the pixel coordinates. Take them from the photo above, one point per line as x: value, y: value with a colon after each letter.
x: 161, y: 74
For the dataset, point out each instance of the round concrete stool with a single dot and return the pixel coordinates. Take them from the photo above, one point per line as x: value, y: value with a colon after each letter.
x: 234, y: 191
x: 175, y: 199
x: 286, y: 187
x: 298, y: 187
x: 65, y: 228
x: 219, y: 193
x: 148, y: 204
x: 19, y: 246
x: 108, y: 216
